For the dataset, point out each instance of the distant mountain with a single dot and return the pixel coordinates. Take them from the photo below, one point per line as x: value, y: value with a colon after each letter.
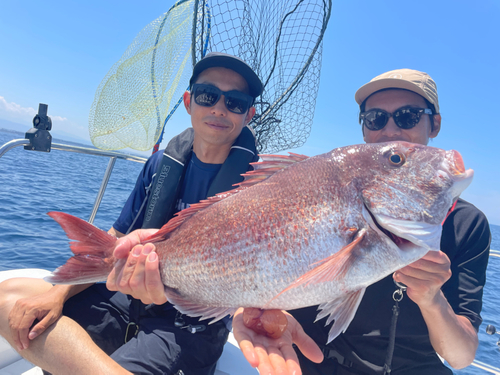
x: 56, y: 134
x: 6, y: 124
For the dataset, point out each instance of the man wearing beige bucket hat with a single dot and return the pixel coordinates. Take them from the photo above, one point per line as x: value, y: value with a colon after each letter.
x: 416, y: 91
x: 439, y: 314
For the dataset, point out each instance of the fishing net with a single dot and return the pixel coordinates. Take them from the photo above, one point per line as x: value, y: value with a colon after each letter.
x: 280, y: 40
x: 146, y: 84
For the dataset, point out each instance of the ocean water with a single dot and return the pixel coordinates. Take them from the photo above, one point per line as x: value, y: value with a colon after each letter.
x: 34, y: 183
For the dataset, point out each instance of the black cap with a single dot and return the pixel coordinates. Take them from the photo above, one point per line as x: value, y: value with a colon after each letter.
x: 219, y: 59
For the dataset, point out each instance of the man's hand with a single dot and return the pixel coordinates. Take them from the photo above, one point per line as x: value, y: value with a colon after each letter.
x: 425, y: 277
x: 46, y: 308
x: 275, y: 356
x: 452, y: 336
x: 137, y: 270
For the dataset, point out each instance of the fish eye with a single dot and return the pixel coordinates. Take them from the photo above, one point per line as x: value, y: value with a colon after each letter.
x: 397, y: 159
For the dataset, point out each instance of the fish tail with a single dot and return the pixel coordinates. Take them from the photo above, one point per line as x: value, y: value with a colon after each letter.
x: 92, y: 248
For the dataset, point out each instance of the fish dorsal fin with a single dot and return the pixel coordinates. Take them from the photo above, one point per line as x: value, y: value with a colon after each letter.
x: 269, y: 165
x: 182, y: 216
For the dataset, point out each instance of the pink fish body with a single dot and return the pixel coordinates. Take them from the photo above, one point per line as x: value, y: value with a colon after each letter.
x: 306, y: 231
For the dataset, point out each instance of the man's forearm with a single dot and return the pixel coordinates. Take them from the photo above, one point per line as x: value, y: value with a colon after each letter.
x: 67, y: 291
x: 452, y: 336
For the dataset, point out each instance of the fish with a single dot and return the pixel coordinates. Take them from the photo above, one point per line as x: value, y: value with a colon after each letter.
x: 298, y: 231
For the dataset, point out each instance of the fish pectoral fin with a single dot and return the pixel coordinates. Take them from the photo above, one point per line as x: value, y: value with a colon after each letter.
x: 333, y: 267
x: 195, y: 310
x: 341, y: 310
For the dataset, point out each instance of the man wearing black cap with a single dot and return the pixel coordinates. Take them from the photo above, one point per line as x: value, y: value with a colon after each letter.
x: 150, y: 337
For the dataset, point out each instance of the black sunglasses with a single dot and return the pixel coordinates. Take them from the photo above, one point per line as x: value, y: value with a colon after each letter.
x: 405, y: 118
x: 208, y: 96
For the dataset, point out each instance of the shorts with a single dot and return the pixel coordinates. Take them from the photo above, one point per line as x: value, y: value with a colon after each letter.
x: 156, y: 345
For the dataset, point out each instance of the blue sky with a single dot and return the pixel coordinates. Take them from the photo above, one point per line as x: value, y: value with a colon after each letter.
x: 57, y: 52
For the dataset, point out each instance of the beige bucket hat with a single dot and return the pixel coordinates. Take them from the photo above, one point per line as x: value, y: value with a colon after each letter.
x: 413, y: 80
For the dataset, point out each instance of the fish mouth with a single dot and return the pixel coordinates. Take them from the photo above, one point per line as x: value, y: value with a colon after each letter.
x: 453, y: 166
x: 406, y: 235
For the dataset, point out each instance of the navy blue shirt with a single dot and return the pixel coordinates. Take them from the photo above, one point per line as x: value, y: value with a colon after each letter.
x: 197, y: 180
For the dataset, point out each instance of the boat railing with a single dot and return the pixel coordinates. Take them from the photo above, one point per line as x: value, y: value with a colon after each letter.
x: 38, y: 138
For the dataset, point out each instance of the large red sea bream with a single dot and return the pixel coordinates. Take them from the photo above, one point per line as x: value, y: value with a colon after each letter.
x: 298, y: 232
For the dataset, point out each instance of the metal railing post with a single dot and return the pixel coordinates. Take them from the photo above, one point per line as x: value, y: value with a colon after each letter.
x: 102, y: 189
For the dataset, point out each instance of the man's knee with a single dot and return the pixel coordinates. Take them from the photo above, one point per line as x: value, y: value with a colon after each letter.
x: 11, y: 290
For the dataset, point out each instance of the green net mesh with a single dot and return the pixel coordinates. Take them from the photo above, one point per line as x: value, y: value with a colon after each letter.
x: 280, y: 40
x: 142, y: 88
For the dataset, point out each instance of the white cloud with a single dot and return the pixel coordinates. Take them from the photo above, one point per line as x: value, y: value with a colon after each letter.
x: 15, y: 112
x: 58, y: 118
x: 61, y: 126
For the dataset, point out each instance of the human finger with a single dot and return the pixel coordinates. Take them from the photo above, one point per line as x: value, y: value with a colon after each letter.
x: 126, y: 273
x: 242, y: 336
x: 436, y: 257
x: 305, y: 343
x: 426, y: 266
x: 154, y: 284
x: 248, y: 350
x: 125, y: 244
x: 432, y: 273
x: 23, y: 328
x: 291, y: 360
x: 284, y: 360
x: 111, y: 281
x: 42, y: 325
x: 265, y: 366
x: 137, y: 282
x: 15, y: 318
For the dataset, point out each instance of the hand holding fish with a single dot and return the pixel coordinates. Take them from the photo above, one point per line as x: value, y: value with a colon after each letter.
x: 275, y: 356
x: 425, y: 277
x: 137, y: 270
x: 452, y: 336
